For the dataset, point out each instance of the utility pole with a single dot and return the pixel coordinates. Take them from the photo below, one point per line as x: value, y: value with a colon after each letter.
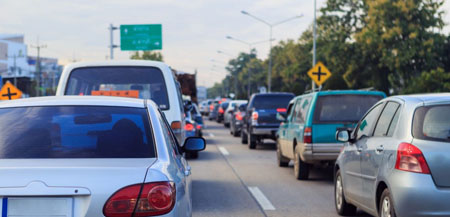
x: 38, y: 67
x: 111, y: 44
x: 15, y: 56
x: 313, y: 85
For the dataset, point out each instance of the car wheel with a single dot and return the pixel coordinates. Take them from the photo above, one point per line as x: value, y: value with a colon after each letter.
x: 226, y: 124
x: 301, y: 169
x: 244, y: 138
x: 282, y: 161
x: 386, y: 208
x: 342, y: 207
x: 251, y: 141
x: 235, y: 133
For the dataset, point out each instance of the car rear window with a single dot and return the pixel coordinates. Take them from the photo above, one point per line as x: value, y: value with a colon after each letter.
x: 272, y: 101
x: 343, y: 108
x: 432, y: 123
x: 75, y: 132
x: 125, y: 81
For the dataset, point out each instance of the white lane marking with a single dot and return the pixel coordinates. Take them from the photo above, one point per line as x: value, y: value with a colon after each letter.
x: 261, y: 198
x: 223, y: 151
x: 211, y: 135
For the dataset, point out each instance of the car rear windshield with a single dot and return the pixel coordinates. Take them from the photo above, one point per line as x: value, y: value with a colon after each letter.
x: 75, y: 132
x: 125, y: 81
x: 432, y: 123
x: 343, y: 108
x: 272, y: 101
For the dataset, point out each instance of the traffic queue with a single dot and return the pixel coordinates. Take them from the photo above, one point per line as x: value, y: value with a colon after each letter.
x: 390, y: 156
x: 112, y: 142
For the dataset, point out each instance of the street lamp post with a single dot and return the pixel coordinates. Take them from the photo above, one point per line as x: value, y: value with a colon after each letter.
x: 250, y: 45
x: 271, y: 25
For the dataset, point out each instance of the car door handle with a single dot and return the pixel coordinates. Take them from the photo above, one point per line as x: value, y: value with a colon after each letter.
x: 380, y: 148
x: 187, y: 171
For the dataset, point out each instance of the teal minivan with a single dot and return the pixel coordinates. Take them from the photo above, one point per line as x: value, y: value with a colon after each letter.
x: 307, y: 133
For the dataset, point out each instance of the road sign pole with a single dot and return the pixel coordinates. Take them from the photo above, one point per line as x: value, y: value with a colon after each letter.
x: 111, y: 44
x: 314, y: 45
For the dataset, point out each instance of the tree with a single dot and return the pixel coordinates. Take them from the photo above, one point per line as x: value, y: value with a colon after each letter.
x: 147, y: 55
x: 436, y: 80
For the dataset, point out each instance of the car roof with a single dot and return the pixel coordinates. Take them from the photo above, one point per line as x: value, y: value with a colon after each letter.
x: 75, y: 101
x: 273, y: 93
x: 118, y: 63
x: 430, y: 98
x: 358, y: 92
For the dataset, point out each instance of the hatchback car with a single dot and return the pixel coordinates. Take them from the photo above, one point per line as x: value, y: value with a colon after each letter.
x: 131, y: 78
x: 91, y: 156
x: 396, y: 162
x: 237, y: 119
x: 308, y: 134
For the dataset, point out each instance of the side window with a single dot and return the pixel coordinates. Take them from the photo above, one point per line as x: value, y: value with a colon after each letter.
x: 386, y: 118
x: 393, y: 123
x: 294, y: 110
x: 366, y: 125
x: 301, y: 109
x: 168, y: 135
x: 289, y: 110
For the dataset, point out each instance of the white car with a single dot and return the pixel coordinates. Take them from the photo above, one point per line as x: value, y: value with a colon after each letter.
x: 230, y: 110
x: 131, y: 78
x: 91, y: 156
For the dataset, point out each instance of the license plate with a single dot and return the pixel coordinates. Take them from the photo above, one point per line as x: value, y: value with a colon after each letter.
x: 36, y: 206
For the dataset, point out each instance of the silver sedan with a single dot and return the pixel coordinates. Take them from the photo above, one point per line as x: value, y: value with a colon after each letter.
x: 91, y: 156
x: 397, y: 160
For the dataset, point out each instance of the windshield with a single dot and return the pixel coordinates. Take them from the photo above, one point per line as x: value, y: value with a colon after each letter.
x: 75, y: 132
x: 432, y: 123
x: 125, y: 81
x: 343, y: 108
x: 271, y: 101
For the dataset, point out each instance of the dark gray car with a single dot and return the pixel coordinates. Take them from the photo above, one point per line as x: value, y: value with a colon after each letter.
x: 397, y: 160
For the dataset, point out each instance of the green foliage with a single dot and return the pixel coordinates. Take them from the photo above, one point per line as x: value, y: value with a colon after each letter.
x: 436, y: 80
x: 147, y: 55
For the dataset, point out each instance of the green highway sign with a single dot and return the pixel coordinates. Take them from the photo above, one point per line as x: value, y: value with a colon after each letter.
x: 141, y: 37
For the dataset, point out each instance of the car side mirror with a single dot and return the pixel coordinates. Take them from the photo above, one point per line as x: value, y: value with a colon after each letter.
x: 194, y: 144
x: 342, y: 136
x: 281, y: 117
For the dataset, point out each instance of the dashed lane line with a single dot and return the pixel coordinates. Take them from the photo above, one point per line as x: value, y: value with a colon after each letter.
x: 261, y: 198
x: 224, y: 151
x: 211, y: 135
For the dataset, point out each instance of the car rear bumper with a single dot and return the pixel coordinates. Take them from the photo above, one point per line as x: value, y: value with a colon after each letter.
x: 264, y: 131
x: 317, y: 152
x: 416, y: 195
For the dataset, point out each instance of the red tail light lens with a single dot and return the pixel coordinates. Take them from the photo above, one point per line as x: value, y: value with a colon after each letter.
x: 239, y: 116
x: 410, y: 158
x: 255, y: 116
x: 188, y: 127
x: 199, y: 127
x: 307, y: 135
x: 281, y: 110
x: 221, y: 111
x: 156, y: 198
x: 211, y: 107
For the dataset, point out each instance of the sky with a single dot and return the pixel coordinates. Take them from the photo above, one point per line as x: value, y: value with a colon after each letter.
x: 193, y: 30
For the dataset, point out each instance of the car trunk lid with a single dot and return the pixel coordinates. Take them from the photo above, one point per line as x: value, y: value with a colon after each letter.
x: 437, y: 156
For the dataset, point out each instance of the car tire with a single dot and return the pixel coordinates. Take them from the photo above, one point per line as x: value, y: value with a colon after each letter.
x: 235, y: 133
x: 244, y: 138
x: 282, y: 161
x: 252, y: 141
x: 342, y: 207
x: 301, y: 169
x: 386, y: 207
x: 226, y: 124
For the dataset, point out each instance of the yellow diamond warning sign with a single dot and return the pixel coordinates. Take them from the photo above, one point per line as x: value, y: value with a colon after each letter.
x: 9, y: 92
x: 319, y: 73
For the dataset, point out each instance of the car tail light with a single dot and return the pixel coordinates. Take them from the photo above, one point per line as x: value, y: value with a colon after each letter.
x: 199, y: 127
x: 239, y: 116
x: 211, y: 107
x: 176, y: 125
x: 281, y: 110
x: 148, y: 199
x: 410, y: 158
x: 188, y: 127
x: 221, y: 111
x: 255, y: 116
x: 307, y: 135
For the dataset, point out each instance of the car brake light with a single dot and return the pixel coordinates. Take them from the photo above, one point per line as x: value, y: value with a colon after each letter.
x: 255, y: 116
x: 221, y: 111
x: 307, y: 135
x: 211, y: 107
x: 281, y: 110
x: 148, y: 199
x: 199, y: 127
x: 410, y: 158
x: 176, y: 125
x: 188, y: 127
x: 239, y: 116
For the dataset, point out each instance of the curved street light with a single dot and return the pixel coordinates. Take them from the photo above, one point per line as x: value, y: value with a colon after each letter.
x: 271, y: 25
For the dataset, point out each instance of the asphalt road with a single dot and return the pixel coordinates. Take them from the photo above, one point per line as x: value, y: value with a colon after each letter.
x: 229, y: 179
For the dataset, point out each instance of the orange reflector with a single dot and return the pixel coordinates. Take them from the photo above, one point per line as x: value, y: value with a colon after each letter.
x: 176, y: 125
x: 121, y: 93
